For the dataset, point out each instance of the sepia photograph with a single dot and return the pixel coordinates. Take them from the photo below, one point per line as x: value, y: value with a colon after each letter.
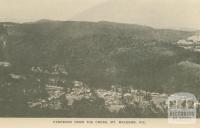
x: 120, y: 59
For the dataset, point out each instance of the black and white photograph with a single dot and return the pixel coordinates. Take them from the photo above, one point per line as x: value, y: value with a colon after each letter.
x: 99, y: 58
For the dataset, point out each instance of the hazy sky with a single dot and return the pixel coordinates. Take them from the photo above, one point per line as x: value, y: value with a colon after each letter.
x: 30, y: 10
x: 155, y: 13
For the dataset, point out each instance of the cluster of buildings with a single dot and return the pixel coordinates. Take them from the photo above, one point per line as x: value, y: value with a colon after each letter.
x: 53, y: 101
x: 57, y: 95
x: 78, y: 92
x: 115, y: 99
x: 118, y: 98
x: 55, y: 70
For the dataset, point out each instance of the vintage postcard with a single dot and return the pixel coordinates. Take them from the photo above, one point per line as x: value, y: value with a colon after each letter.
x: 99, y: 63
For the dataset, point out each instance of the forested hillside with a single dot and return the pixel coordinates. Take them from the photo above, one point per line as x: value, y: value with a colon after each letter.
x: 98, y: 54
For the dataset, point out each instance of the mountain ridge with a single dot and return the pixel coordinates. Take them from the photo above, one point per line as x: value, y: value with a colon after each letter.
x: 108, y: 22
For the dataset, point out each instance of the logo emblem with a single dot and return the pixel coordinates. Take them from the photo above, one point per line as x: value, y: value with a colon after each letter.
x: 182, y: 108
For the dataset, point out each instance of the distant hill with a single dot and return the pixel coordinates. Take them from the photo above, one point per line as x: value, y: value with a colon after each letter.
x: 102, y: 54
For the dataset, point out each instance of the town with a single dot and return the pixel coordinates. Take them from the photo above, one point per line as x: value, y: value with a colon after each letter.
x: 115, y: 99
